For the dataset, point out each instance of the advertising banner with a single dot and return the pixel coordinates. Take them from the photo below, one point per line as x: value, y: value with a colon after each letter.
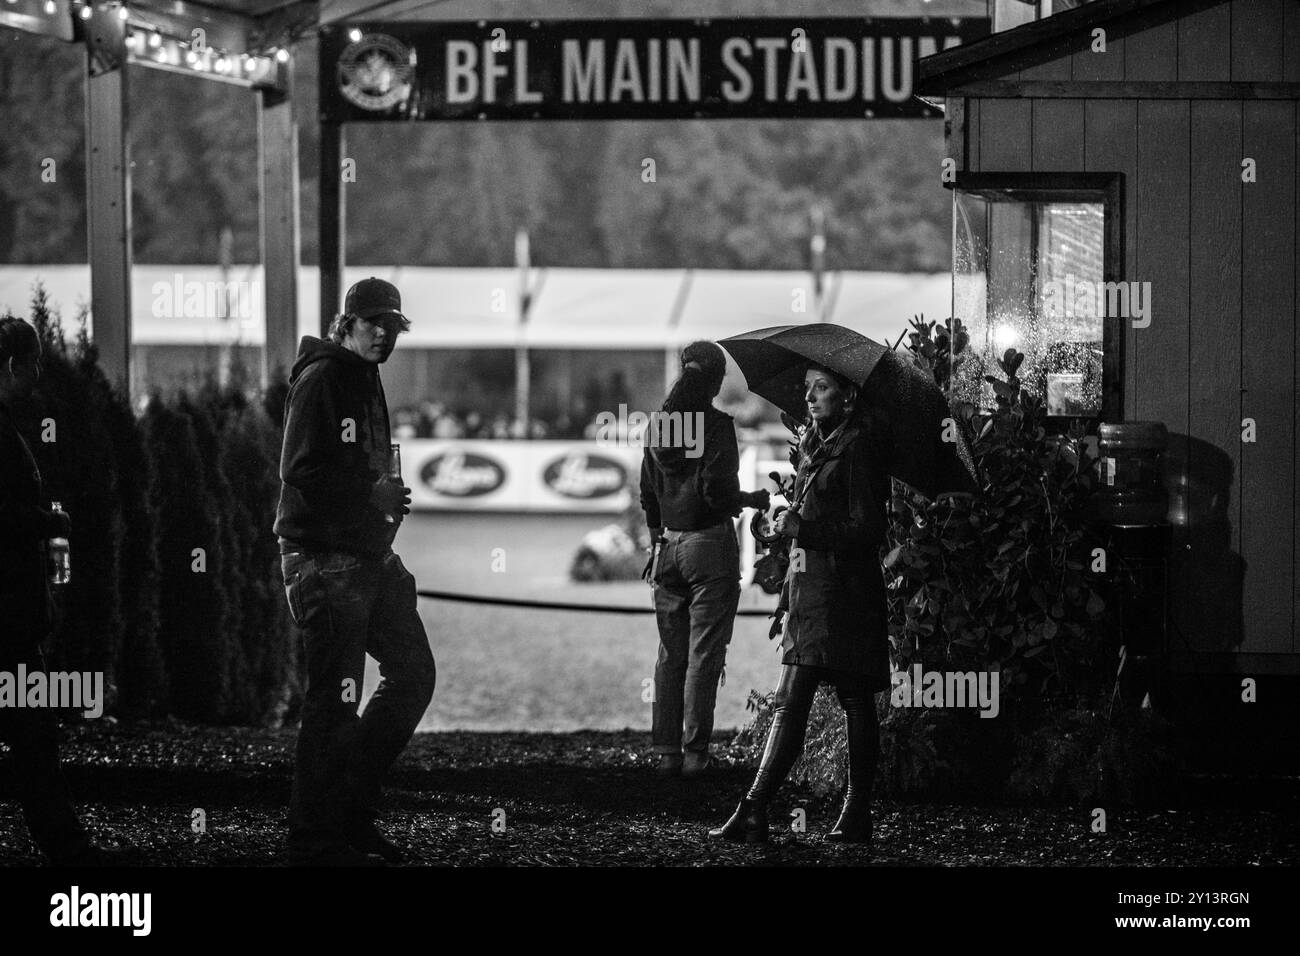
x: 554, y: 476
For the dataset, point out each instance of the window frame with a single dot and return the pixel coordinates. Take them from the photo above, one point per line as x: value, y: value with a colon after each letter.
x: 1075, y: 187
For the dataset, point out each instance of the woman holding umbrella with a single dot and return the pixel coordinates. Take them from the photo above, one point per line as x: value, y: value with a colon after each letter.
x: 834, y: 600
x: 869, y: 415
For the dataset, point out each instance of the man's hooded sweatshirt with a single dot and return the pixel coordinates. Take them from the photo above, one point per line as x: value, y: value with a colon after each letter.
x: 336, y: 442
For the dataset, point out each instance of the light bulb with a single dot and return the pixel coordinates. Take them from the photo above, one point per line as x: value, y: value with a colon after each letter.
x: 155, y: 40
x: 354, y: 34
x: 51, y: 7
x: 282, y: 55
x: 85, y: 12
x: 123, y: 12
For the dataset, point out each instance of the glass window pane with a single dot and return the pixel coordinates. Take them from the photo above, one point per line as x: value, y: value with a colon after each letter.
x: 1029, y: 276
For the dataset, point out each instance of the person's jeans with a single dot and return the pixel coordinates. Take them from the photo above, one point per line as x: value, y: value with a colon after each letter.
x: 345, y: 607
x: 32, y: 734
x: 696, y: 590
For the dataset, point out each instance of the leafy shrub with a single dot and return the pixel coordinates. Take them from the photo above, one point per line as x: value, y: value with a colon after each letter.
x: 999, y: 584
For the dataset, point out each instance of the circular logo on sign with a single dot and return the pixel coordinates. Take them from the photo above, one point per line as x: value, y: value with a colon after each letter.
x: 580, y: 475
x: 461, y: 474
x: 375, y: 72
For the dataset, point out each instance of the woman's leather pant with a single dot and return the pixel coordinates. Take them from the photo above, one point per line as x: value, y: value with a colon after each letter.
x: 785, y: 739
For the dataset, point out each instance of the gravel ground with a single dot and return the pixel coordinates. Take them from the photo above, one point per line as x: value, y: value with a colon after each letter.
x: 591, y: 798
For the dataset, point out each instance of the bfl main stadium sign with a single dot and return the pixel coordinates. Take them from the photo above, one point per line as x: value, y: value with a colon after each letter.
x: 632, y: 69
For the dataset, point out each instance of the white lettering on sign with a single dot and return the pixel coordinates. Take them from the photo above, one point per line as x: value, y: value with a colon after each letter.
x: 577, y: 478
x: 832, y: 69
x: 454, y: 477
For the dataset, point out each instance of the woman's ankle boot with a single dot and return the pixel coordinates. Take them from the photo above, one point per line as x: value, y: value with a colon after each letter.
x: 854, y: 824
x: 747, y: 825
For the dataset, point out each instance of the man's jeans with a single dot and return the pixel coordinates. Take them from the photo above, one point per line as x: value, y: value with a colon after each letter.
x: 32, y: 734
x: 696, y: 589
x: 347, y: 606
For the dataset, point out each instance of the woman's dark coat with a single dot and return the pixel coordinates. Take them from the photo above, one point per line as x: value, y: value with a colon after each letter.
x: 835, y: 596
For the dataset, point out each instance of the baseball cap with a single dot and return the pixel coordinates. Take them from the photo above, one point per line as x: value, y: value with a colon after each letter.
x: 373, y: 297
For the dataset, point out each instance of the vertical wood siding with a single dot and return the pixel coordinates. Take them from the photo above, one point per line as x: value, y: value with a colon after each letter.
x: 1221, y: 254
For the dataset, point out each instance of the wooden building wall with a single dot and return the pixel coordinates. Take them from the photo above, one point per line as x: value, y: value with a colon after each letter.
x: 1222, y: 259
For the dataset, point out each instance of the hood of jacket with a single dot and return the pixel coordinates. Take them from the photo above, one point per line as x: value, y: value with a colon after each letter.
x: 312, y: 350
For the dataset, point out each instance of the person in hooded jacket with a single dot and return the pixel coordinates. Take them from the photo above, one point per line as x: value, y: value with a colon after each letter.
x: 348, y: 592
x: 834, y: 601
x: 27, y: 616
x: 690, y: 492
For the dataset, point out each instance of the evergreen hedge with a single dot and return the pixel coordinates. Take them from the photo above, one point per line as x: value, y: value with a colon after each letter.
x: 201, y: 635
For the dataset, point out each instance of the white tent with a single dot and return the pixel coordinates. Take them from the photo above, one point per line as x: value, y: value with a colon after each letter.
x: 637, y: 309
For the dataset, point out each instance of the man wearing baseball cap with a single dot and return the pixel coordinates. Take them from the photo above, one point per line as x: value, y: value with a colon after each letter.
x: 348, y: 592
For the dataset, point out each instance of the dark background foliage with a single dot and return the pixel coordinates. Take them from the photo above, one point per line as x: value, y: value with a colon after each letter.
x: 730, y: 195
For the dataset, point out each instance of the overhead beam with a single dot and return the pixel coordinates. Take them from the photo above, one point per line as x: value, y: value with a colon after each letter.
x: 30, y: 16
x: 221, y: 29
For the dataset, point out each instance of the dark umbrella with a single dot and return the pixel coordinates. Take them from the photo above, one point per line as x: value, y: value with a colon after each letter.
x: 775, y: 360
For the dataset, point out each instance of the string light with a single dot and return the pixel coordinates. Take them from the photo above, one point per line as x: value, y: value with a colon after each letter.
x: 85, y: 12
x: 51, y: 8
x: 354, y: 34
x: 149, y: 47
x: 123, y: 12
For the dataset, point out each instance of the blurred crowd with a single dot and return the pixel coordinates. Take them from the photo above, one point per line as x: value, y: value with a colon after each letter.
x: 435, y: 420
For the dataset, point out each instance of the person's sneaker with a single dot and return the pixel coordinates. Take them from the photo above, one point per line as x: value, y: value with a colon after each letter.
x: 670, y: 765
x: 367, y: 838
x: 337, y: 856
x: 696, y: 765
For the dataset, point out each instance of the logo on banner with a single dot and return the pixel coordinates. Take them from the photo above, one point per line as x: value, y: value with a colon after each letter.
x: 579, y: 475
x: 376, y: 72
x: 460, y: 474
